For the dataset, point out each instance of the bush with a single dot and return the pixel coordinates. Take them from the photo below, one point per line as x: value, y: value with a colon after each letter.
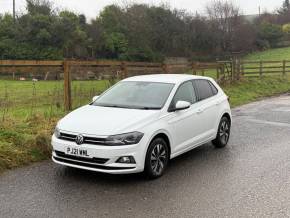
x: 270, y: 32
x: 286, y: 28
x: 263, y: 44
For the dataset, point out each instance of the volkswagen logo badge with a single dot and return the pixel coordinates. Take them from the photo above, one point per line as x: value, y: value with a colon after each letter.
x: 79, y: 139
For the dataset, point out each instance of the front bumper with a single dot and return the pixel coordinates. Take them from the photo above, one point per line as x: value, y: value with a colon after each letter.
x: 102, y: 158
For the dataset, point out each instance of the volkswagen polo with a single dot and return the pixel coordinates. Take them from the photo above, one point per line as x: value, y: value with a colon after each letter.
x: 141, y: 123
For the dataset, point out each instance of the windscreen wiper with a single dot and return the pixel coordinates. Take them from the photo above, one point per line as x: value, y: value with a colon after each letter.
x: 149, y: 108
x: 113, y: 105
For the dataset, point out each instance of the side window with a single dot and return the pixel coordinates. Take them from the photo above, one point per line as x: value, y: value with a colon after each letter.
x: 203, y: 88
x: 185, y: 92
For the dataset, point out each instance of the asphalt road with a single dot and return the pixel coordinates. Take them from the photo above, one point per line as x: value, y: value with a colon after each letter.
x: 249, y: 178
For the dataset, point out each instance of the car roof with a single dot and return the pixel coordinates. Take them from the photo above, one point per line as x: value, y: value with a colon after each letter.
x: 165, y: 78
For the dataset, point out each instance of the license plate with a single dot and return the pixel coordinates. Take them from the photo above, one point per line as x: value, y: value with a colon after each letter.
x: 80, y: 152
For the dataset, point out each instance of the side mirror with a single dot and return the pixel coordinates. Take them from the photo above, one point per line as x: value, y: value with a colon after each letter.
x: 182, y: 105
x: 95, y: 98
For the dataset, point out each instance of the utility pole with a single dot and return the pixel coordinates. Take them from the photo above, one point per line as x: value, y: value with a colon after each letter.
x: 14, y: 10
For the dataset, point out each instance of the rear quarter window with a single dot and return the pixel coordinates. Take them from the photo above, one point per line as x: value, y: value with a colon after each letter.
x: 213, y: 87
x: 204, y: 88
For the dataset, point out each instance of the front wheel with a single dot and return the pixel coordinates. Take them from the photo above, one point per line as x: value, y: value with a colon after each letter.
x: 223, y: 133
x: 156, y: 158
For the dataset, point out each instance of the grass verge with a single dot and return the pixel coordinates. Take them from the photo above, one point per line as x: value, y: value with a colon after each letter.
x: 252, y: 89
x: 25, y: 141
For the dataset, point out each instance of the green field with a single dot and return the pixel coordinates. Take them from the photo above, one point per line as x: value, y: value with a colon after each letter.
x: 22, y: 98
x: 277, y: 54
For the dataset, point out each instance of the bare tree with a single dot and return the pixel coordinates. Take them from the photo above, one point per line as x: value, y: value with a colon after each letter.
x: 225, y: 19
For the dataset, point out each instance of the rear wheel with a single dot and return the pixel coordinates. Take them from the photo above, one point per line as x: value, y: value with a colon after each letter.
x: 156, y: 158
x: 223, y: 133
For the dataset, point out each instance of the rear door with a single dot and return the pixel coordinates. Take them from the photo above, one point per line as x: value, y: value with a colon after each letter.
x: 208, y: 104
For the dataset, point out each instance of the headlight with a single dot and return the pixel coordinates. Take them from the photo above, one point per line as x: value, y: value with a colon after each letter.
x: 125, y: 139
x: 56, y: 132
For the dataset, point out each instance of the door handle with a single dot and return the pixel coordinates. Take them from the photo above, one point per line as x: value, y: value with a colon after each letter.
x: 218, y: 103
x: 199, y: 111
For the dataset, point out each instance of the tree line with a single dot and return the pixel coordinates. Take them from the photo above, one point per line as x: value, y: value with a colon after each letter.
x: 139, y: 32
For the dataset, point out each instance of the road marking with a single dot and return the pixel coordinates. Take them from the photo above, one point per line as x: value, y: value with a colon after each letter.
x: 270, y: 122
x: 282, y: 109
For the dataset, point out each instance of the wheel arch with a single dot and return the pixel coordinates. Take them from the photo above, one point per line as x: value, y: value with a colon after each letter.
x: 224, y: 113
x: 164, y: 135
x: 227, y: 115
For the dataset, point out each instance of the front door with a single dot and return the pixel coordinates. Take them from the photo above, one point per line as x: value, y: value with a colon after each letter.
x: 187, y: 124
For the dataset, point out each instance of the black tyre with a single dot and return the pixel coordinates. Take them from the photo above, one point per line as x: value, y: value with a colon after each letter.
x: 223, y: 133
x: 157, y: 158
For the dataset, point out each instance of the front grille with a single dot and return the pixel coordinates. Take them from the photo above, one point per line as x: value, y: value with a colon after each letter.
x: 91, y: 165
x: 87, y: 140
x: 94, y: 160
x: 94, y: 141
x: 67, y: 137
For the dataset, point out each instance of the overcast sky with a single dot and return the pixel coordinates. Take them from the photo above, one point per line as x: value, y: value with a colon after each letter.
x: 91, y: 7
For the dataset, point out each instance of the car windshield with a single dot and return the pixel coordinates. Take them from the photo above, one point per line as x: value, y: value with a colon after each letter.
x: 136, y: 95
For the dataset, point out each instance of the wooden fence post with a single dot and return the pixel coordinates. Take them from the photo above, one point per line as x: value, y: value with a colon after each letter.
x: 193, y: 68
x: 223, y: 71
x: 284, y: 67
x: 233, y: 69
x: 261, y: 69
x: 67, y: 86
x: 218, y: 72
x: 238, y: 64
x: 124, y: 70
x: 242, y: 69
x: 165, y: 68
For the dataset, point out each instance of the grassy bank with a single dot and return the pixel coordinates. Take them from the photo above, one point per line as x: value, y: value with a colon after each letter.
x: 24, y: 141
x: 25, y: 134
x: 252, y: 89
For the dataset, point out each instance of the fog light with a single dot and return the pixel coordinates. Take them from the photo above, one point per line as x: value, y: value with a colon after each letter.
x: 126, y: 160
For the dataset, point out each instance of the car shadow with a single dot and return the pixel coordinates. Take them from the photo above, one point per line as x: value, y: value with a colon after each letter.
x: 200, y: 158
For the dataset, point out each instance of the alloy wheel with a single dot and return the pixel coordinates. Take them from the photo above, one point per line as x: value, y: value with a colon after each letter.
x: 224, y: 132
x: 158, y: 159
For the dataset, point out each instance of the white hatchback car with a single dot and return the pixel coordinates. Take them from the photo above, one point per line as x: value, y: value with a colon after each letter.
x: 141, y: 123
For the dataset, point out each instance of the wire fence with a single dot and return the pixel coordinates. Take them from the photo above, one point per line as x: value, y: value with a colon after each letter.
x: 54, y: 87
